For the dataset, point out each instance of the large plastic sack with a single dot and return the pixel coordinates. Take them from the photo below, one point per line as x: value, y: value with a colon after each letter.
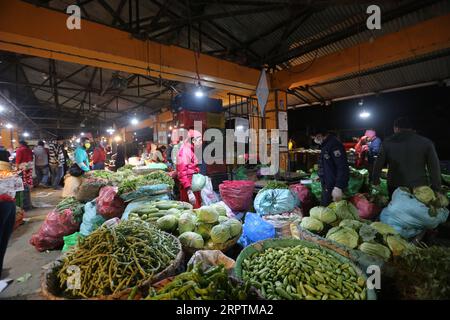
x: 304, y: 196
x: 275, y: 201
x: 255, y: 229
x: 198, y: 182
x: 211, y: 258
x: 71, y: 185
x: 146, y: 191
x: 357, y: 179
x: 55, y: 227
x: 208, y: 195
x: 109, y: 204
x: 366, y: 209
x: 91, y: 220
x: 237, y: 194
x: 282, y: 222
x: 90, y: 188
x: 409, y: 216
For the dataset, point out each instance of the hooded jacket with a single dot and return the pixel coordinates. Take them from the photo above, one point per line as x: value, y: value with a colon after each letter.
x: 187, y: 164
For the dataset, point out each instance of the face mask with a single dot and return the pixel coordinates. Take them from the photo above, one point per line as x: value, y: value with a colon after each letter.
x: 318, y: 140
x: 87, y: 145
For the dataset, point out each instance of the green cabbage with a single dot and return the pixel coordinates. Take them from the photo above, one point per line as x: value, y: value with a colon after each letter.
x: 354, y: 224
x: 311, y: 224
x: 186, y: 223
x: 375, y: 249
x: 235, y: 227
x: 174, y: 211
x: 343, y: 235
x: 223, y: 219
x: 220, y: 209
x: 220, y: 233
x: 324, y: 214
x: 207, y: 215
x: 204, y: 230
x: 441, y: 200
x: 424, y: 194
x: 367, y: 233
x: 167, y: 223
x: 397, y: 245
x: 191, y: 240
x: 344, y: 210
x: 383, y: 228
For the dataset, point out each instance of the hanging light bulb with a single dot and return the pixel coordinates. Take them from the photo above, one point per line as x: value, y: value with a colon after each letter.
x: 134, y: 121
x: 364, y: 114
x: 199, y: 92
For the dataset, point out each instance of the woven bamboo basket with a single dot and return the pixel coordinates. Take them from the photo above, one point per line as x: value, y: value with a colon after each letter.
x: 51, y: 290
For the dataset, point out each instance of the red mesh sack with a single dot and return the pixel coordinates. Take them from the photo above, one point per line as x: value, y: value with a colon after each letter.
x: 237, y: 194
x: 55, y: 227
x: 304, y: 195
x: 109, y: 204
x: 366, y: 209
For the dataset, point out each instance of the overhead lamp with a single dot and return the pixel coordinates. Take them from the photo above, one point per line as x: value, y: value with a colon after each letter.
x: 135, y: 133
x: 134, y: 121
x: 199, y: 92
x: 26, y: 134
x: 82, y: 134
x: 170, y: 128
x: 2, y: 108
x: 117, y: 138
x: 9, y: 126
x: 110, y: 131
x: 78, y: 140
x: 361, y: 103
x: 364, y: 114
x: 13, y: 140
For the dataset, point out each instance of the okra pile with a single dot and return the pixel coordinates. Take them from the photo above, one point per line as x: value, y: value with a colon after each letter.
x: 112, y: 259
x: 301, y: 273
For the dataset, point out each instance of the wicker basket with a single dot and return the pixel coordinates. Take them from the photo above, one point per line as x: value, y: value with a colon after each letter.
x: 50, y: 283
x: 281, y: 243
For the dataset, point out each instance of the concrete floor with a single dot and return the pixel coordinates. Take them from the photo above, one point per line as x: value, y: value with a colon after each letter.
x: 21, y: 257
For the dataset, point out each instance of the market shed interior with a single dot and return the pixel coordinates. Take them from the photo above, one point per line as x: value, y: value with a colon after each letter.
x: 130, y: 74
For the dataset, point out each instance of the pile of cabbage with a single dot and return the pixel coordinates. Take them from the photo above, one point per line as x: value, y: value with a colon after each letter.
x: 340, y: 222
x: 202, y: 228
x: 433, y: 200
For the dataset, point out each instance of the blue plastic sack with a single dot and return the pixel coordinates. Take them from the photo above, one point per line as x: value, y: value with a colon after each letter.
x: 137, y: 203
x: 255, y: 229
x: 91, y: 221
x: 275, y: 201
x: 409, y: 216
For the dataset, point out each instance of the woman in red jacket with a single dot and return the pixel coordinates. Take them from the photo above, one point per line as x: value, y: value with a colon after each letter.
x: 99, y: 157
x: 24, y: 163
x: 187, y: 166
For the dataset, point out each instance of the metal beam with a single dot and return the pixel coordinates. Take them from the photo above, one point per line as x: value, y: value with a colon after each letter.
x: 111, y: 11
x: 420, y: 39
x: 100, y: 46
x: 119, y: 11
x: 333, y: 37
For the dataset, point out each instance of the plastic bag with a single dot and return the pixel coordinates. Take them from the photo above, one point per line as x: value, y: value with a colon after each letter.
x: 304, y: 196
x: 109, y: 204
x: 275, y: 201
x: 358, y: 178
x: 366, y: 209
x: 70, y: 241
x: 409, y: 216
x: 282, y: 222
x: 91, y: 221
x: 211, y: 258
x: 255, y: 229
x: 55, y: 227
x: 208, y: 195
x: 90, y: 189
x: 71, y: 185
x: 237, y: 194
x: 198, y: 182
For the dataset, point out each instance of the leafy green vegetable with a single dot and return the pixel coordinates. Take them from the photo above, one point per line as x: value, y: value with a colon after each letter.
x: 191, y: 240
x: 324, y: 214
x: 383, y: 228
x: 367, y: 233
x: 186, y: 223
x: 354, y: 224
x: 344, y: 210
x: 424, y: 194
x: 344, y: 235
x: 273, y: 184
x: 220, y: 233
x: 207, y: 214
x: 311, y: 224
x: 167, y: 223
x: 235, y: 227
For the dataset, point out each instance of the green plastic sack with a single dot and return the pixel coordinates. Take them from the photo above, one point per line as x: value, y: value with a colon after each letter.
x: 315, y: 186
x: 358, y: 178
x: 157, y: 166
x: 198, y: 182
x: 70, y: 241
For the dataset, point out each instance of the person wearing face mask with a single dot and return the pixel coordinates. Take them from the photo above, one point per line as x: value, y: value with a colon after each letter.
x: 333, y: 166
x: 187, y: 166
x: 81, y: 155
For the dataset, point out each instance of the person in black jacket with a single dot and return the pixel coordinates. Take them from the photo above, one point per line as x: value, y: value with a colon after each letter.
x: 333, y: 166
x: 4, y: 154
x: 411, y: 159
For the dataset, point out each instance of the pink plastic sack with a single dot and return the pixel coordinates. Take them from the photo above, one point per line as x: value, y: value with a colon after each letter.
x: 109, y: 204
x: 366, y: 209
x: 237, y: 194
x: 55, y: 227
x: 304, y: 194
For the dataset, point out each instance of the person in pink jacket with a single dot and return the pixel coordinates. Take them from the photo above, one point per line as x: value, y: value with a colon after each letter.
x: 187, y: 166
